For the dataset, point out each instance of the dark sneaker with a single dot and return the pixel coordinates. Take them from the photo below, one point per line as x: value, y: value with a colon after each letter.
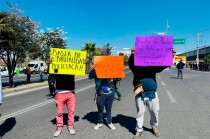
x: 155, y: 131
x: 50, y: 97
x: 138, y: 135
x: 119, y: 98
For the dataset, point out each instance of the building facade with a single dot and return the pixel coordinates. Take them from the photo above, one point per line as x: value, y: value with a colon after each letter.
x: 192, y: 55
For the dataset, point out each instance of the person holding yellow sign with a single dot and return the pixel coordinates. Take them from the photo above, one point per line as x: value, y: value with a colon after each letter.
x: 65, y: 65
x: 64, y: 95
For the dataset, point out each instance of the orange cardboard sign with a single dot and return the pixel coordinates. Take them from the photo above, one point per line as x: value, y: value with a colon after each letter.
x: 109, y: 66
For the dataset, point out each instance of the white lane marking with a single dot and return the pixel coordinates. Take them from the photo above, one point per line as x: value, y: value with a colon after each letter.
x: 37, y: 105
x: 172, y: 99
x: 40, y: 104
x: 163, y: 83
x: 25, y: 110
x: 82, y: 89
x: 193, y: 91
x: 128, y: 72
x: 159, y: 77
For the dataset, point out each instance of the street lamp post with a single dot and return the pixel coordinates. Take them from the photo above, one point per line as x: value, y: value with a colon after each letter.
x: 198, y: 43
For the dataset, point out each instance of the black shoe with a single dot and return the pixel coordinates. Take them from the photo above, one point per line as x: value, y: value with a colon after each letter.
x: 119, y: 98
x: 50, y: 96
x: 181, y: 78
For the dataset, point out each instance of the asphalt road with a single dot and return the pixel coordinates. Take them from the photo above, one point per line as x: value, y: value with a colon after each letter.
x: 184, y: 110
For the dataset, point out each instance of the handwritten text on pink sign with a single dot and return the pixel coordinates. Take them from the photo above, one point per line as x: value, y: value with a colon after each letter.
x: 153, y: 51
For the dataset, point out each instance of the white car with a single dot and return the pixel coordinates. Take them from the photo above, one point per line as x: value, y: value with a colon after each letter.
x: 4, y: 71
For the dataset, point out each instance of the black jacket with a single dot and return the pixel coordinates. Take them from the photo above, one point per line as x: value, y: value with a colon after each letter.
x: 65, y: 82
x: 143, y: 72
x: 180, y: 65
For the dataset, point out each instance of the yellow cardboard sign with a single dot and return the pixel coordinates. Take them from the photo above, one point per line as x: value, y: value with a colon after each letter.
x: 65, y: 61
x: 177, y: 58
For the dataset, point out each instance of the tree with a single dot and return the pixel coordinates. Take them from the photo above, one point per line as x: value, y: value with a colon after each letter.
x: 207, y: 58
x: 106, y: 50
x: 46, y: 40
x: 126, y: 58
x: 91, y: 51
x: 16, y: 38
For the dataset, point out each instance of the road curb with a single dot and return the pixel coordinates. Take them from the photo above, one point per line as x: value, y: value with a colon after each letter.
x: 31, y: 86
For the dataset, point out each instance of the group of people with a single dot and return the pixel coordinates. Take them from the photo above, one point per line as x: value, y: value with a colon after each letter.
x: 62, y: 88
x: 105, y: 91
x: 64, y: 94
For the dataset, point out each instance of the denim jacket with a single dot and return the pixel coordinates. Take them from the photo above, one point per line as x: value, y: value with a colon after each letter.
x: 106, y: 83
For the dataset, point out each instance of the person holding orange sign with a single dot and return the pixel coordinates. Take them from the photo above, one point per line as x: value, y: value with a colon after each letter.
x: 105, y: 97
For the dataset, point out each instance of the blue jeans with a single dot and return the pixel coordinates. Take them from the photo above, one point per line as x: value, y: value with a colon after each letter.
x: 179, y: 72
x: 105, y: 100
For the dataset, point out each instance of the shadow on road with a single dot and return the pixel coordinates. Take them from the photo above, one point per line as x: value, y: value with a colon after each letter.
x: 173, y: 77
x: 65, y: 119
x: 91, y: 117
x: 125, y: 121
x: 128, y: 122
x: 7, y: 126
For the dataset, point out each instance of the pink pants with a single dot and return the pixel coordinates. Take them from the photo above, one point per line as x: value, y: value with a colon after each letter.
x: 61, y: 99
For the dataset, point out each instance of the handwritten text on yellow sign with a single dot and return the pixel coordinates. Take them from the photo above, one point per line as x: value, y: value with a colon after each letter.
x: 66, y: 61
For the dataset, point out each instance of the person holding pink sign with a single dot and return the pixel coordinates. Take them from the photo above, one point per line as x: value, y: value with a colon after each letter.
x: 146, y: 77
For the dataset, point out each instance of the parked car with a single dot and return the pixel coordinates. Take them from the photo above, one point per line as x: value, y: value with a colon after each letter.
x: 18, y: 69
x: 4, y: 71
x: 34, y: 66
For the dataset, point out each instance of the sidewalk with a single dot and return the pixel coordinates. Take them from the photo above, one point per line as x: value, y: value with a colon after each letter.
x: 32, y: 86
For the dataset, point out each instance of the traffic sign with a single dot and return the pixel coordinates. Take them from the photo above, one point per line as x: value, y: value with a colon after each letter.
x: 179, y: 41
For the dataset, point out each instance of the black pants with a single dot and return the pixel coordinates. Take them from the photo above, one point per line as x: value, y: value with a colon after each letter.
x: 51, y: 83
x: 28, y: 78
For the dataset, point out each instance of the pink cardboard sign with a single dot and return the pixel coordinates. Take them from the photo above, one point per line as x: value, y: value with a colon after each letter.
x: 153, y: 51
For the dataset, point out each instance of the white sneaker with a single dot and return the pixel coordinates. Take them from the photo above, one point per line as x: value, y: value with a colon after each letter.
x: 112, y: 126
x: 71, y: 131
x: 98, y: 126
x: 57, y: 133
